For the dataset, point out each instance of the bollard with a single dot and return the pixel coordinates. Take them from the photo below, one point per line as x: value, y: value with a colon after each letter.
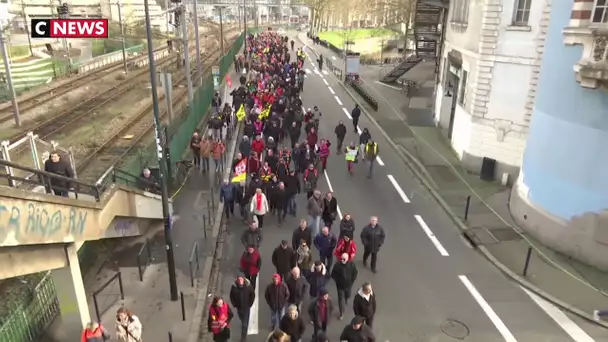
x: 181, y: 298
x: 212, y: 199
x: 170, y: 337
x: 466, y: 208
x: 527, y: 262
x: 205, y: 227
x: 209, y: 212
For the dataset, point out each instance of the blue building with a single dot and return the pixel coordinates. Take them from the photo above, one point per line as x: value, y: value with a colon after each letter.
x: 561, y: 195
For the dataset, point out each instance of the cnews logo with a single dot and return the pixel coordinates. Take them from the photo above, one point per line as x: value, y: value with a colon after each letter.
x: 69, y: 28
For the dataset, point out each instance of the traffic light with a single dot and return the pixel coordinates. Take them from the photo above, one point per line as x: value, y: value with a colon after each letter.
x: 63, y: 11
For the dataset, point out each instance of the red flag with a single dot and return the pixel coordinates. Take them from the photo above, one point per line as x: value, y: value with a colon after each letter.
x: 228, y: 81
x: 240, y: 171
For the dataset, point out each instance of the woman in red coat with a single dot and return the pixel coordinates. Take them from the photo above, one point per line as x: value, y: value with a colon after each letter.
x: 219, y: 319
x: 346, y: 245
x: 251, y: 262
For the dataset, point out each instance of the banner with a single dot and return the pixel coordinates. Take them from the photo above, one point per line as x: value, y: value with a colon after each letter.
x: 240, y: 114
x: 240, y: 171
x: 265, y: 113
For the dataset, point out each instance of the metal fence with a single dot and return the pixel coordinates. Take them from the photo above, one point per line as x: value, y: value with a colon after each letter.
x: 28, y: 321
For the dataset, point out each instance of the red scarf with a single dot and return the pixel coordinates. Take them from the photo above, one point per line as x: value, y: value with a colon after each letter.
x: 258, y: 198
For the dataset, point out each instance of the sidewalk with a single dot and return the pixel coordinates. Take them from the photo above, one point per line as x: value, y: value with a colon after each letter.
x: 408, y: 124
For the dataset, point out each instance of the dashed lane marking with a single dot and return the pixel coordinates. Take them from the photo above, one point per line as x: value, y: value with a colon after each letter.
x: 333, y: 57
x: 337, y: 98
x: 331, y: 90
x: 332, y: 190
x: 398, y: 188
x: 325, y: 81
x: 431, y: 235
x: 347, y: 113
x: 324, y: 72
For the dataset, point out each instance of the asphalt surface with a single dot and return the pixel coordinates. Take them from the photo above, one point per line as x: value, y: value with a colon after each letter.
x: 430, y: 285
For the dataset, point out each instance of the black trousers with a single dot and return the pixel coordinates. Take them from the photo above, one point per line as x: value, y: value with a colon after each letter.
x: 343, y: 297
x: 252, y: 279
x: 244, y: 317
x: 366, y: 255
x: 355, y: 123
x: 260, y: 221
x: 229, y: 208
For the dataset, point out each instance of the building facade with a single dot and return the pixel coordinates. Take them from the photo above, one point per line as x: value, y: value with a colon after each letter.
x: 561, y: 195
x: 488, y: 77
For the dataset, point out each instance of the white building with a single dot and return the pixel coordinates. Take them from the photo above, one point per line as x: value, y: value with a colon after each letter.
x: 489, y: 71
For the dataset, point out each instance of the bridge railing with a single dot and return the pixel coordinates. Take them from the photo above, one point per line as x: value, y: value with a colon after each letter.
x: 49, y: 182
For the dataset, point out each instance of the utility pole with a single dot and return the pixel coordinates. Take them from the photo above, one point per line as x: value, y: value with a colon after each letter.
x: 27, y: 28
x: 184, y: 23
x: 245, y: 26
x: 167, y: 17
x: 162, y: 160
x: 221, y: 31
x: 9, y: 79
x: 199, y: 66
x: 122, y: 38
x: 255, y: 13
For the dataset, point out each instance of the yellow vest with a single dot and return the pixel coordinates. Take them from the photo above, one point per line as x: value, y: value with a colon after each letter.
x: 351, y: 153
x: 375, y: 148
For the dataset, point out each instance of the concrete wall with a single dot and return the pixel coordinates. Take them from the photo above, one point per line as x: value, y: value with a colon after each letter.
x: 562, y: 193
x: 29, y: 218
x: 501, y: 62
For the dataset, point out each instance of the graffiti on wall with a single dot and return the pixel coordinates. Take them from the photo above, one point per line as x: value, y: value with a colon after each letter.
x: 123, y: 227
x: 35, y: 219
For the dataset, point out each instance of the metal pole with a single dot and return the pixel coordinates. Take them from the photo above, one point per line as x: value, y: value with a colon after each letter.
x: 122, y: 39
x: 168, y: 88
x: 245, y: 27
x: 184, y: 23
x: 221, y: 32
x: 9, y: 79
x: 167, y: 17
x: 162, y: 162
x: 255, y: 13
x: 27, y: 29
x: 527, y: 262
x: 199, y: 66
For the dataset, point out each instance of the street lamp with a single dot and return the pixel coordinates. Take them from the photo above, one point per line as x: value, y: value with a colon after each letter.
x: 220, y: 8
x: 162, y: 160
x: 9, y: 78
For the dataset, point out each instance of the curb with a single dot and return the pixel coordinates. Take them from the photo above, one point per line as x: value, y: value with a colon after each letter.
x: 423, y: 176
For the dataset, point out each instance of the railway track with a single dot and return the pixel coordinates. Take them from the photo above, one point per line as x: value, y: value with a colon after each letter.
x: 117, y: 148
x: 34, y: 100
x: 57, y: 123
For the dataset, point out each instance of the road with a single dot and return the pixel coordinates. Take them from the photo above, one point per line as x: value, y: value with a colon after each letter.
x: 430, y: 285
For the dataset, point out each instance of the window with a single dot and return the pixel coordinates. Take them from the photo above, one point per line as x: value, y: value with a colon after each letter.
x: 460, y: 11
x: 463, y: 89
x: 522, y: 12
x: 600, y: 12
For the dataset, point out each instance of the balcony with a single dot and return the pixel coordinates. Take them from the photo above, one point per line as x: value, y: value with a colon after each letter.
x: 592, y: 69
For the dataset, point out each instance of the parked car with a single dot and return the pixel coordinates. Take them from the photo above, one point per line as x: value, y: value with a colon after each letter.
x: 281, y: 31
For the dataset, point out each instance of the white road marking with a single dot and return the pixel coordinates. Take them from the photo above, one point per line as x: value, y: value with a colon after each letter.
x: 331, y: 90
x: 336, y: 97
x: 380, y: 162
x: 317, y: 72
x: 571, y: 328
x: 333, y: 57
x: 326, y: 83
x: 308, y: 71
x: 254, y: 320
x: 502, y: 328
x: 359, y: 130
x: 398, y: 188
x: 324, y: 72
x: 431, y: 236
x: 388, y: 85
x: 332, y: 190
x: 347, y: 113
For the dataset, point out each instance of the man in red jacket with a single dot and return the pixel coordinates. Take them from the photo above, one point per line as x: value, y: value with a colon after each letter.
x: 257, y: 145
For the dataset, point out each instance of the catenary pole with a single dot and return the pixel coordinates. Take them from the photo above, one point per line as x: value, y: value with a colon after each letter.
x: 199, y: 66
x: 9, y: 79
x: 122, y: 38
x: 184, y: 23
x: 162, y: 161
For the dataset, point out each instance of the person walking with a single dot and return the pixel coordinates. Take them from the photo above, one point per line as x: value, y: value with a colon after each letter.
x: 347, y: 246
x: 350, y: 155
x: 364, y: 138
x: 283, y: 259
x: 344, y: 275
x: 56, y: 165
x: 304, y: 258
x: 95, y: 332
x: 252, y: 236
x: 281, y: 200
x: 242, y: 296
x: 330, y: 209
x: 297, y: 286
x: 259, y: 206
x: 292, y: 324
x: 218, y: 152
x: 315, y: 210
x: 242, y: 197
x: 219, y: 319
x: 320, y: 311
x: 317, y: 279
x: 364, y: 304
x: 325, y: 242
x: 357, y: 331
x: 128, y: 326
x: 292, y: 186
x: 372, y: 238
x: 302, y: 233
x: 371, y: 153
x: 277, y: 297
x: 311, y: 177
x: 347, y: 226
x: 195, y: 147
x: 324, y: 152
x: 340, y: 132
x: 355, y: 114
x: 206, y: 146
x: 250, y: 264
x: 227, y: 196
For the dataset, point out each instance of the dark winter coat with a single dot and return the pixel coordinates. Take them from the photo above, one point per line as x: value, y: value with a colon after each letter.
x: 250, y: 264
x: 284, y: 259
x: 242, y: 296
x: 299, y: 235
x: 317, y: 281
x: 241, y: 195
x: 364, y: 334
x: 363, y: 307
x: 347, y: 228
x: 227, y: 192
x: 330, y: 210
x: 344, y: 275
x: 340, y: 131
x: 292, y: 184
x: 252, y: 237
x: 293, y: 327
x: 61, y: 168
x: 245, y: 148
x: 297, y: 289
x: 279, y: 197
x: 325, y: 244
x: 276, y: 296
x: 372, y: 238
x: 315, y: 315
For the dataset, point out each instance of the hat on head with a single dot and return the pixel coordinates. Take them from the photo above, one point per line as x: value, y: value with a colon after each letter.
x: 322, y: 292
x: 357, y: 320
